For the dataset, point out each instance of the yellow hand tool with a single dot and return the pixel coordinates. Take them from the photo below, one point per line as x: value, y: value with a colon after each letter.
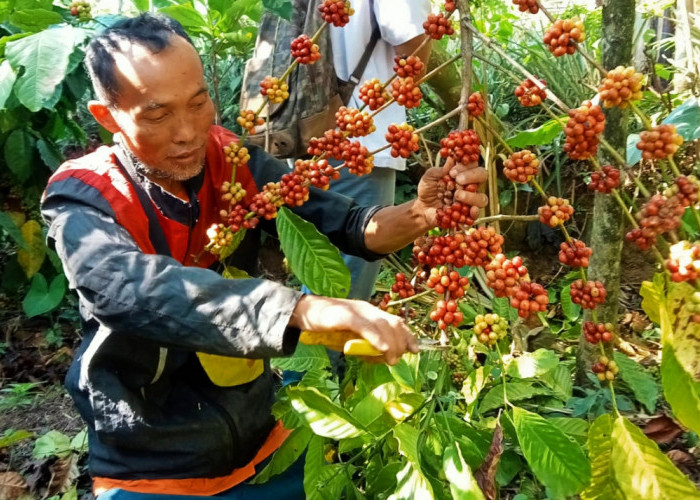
x: 353, y: 345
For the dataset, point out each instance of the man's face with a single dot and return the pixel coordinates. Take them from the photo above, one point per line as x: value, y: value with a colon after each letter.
x: 163, y: 108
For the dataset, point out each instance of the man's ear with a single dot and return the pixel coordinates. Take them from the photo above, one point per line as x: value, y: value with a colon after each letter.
x: 103, y: 115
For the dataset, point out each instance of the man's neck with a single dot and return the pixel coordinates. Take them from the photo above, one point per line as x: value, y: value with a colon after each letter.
x: 176, y: 188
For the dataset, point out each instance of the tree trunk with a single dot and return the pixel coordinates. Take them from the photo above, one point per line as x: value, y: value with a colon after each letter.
x: 467, y: 47
x: 446, y: 83
x: 607, y: 235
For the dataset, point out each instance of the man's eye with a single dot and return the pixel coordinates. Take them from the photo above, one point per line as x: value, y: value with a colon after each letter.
x: 156, y: 119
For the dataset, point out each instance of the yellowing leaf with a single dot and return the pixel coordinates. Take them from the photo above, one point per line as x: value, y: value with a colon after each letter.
x: 32, y: 258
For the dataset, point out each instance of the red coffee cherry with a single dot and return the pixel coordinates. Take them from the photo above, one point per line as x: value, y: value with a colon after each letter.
x: 438, y: 26
x: 555, y: 212
x: 328, y: 145
x: 238, y: 218
x: 620, y: 86
x: 373, y: 94
x: 529, y: 298
x: 450, y: 5
x: 574, y: 254
x: 402, y: 139
x: 336, y: 12
x: 588, y: 295
x: 442, y: 281
x: 266, y: 202
x: 605, y: 180
x: 294, y: 189
x: 527, y: 5
x: 406, y: 93
x: 503, y: 275
x: 475, y: 104
x: 318, y: 173
x: 354, y: 122
x: 446, y: 313
x: 659, y: 142
x: 408, y: 66
x: 530, y: 94
x: 521, y: 166
x: 356, y: 157
x: 598, y: 332
x: 560, y: 36
x: 583, y: 130
x: 685, y: 189
x: 461, y: 145
x: 304, y: 51
x: 480, y: 242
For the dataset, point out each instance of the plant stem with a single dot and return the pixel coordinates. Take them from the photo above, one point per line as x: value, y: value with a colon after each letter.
x: 498, y: 137
x: 503, y: 376
x: 505, y: 217
x: 409, y: 299
x: 645, y: 119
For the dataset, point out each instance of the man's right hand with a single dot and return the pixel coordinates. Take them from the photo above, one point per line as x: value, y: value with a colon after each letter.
x: 386, y: 332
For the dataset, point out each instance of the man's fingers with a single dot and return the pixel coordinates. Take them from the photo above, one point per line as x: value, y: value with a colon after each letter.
x: 474, y: 199
x: 472, y: 175
x: 449, y: 163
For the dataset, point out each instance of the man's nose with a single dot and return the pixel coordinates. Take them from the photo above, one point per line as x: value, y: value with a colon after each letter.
x: 184, y: 129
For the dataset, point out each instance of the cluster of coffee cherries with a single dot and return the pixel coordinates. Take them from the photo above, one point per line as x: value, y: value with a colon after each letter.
x: 659, y: 215
x: 438, y: 26
x: 80, y: 9
x: 454, y: 214
x: 236, y: 154
x: 556, y: 211
x: 305, y: 51
x: 476, y: 104
x: 454, y: 359
x: 446, y: 313
x: 373, y: 94
x: 274, y: 90
x: 248, y: 121
x: 408, y: 66
x: 330, y: 145
x: 400, y: 289
x: 589, y: 294
x: 620, y: 86
x: 440, y: 250
x: 560, y: 38
x: 354, y: 122
x: 406, y: 92
x: 240, y: 218
x: 480, y: 243
x: 490, y: 328
x: 685, y: 189
x: 684, y: 261
x: 220, y: 237
x: 442, y: 280
x: 527, y: 5
x: 450, y: 5
x: 503, y: 275
x: 575, y: 253
x: 403, y: 140
x: 604, y: 180
x: 583, y: 130
x: 319, y: 173
x: 336, y: 12
x: 529, y: 94
x: 659, y: 142
x: 461, y: 145
x: 521, y: 166
x: 357, y: 159
x: 529, y: 298
x: 598, y: 332
x: 605, y: 369
x: 265, y: 203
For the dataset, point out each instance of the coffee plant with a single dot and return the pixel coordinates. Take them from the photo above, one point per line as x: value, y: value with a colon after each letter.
x: 483, y: 414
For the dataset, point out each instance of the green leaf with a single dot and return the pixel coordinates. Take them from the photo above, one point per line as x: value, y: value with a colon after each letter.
x: 8, y: 439
x: 407, y: 436
x: 571, y: 311
x: 411, y: 484
x: 19, y: 152
x: 517, y: 391
x: 686, y: 118
x: 681, y: 390
x: 35, y: 19
x: 79, y: 443
x: 50, y: 154
x: 652, y: 296
x: 305, y: 358
x: 371, y: 408
x: 52, y: 443
x: 560, y: 381
x: 321, y: 481
x: 312, y: 257
x: 185, y: 15
x: 42, y: 298
x: 286, y: 455
x: 44, y: 57
x: 603, y: 484
x: 640, y: 382
x: 634, y: 155
x: 474, y: 383
x: 324, y: 416
x: 643, y: 472
x: 282, y: 8
x: 9, y: 226
x: 227, y: 251
x: 557, y: 461
x: 544, y: 134
x: 532, y: 364
x: 575, y: 427
x: 462, y: 483
x: 7, y: 80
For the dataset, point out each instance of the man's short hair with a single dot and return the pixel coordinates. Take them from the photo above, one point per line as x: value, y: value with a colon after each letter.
x: 153, y: 31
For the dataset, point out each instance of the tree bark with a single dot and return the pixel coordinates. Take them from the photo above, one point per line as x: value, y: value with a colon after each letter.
x: 607, y: 234
x: 446, y: 83
x: 467, y: 46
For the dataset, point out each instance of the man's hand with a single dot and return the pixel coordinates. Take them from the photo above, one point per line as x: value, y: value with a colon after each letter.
x: 386, y: 332
x: 429, y: 196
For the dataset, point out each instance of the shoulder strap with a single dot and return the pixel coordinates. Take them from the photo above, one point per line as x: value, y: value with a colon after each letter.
x: 360, y: 68
x: 155, y: 230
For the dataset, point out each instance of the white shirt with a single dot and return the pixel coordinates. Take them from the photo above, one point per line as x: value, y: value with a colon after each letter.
x: 399, y: 21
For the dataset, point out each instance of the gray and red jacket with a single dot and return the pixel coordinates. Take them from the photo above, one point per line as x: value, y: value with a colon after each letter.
x: 148, y: 306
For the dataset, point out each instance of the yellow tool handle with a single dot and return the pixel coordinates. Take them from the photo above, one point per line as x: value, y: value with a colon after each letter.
x: 346, y: 342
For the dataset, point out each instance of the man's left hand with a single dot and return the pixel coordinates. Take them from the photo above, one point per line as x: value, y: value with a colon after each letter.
x: 429, y: 194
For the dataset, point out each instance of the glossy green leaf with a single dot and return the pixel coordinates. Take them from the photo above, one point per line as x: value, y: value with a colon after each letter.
x: 286, y: 455
x: 324, y: 416
x: 371, y: 408
x: 634, y: 155
x: 8, y: 439
x: 571, y: 311
x: 544, y: 134
x: 557, y: 461
x: 462, y: 483
x: 574, y: 427
x: 8, y: 225
x: 559, y: 380
x: 681, y: 389
x: 321, y: 481
x: 305, y: 357
x: 412, y: 484
x: 35, y: 19
x: 50, y: 154
x: 517, y: 391
x: 7, y: 80
x: 652, y: 295
x: 686, y: 118
x: 79, y: 443
x: 312, y: 257
x: 532, y: 364
x: 640, y: 382
x: 642, y: 470
x: 282, y: 8
x: 603, y: 485
x: 44, y: 57
x: 185, y: 15
x: 50, y: 444
x: 41, y: 297
x: 19, y: 153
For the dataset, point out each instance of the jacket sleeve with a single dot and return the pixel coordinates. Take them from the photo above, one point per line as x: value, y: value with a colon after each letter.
x: 333, y: 214
x: 156, y: 297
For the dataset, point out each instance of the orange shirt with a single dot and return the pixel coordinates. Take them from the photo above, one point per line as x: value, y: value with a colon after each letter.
x: 200, y: 486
